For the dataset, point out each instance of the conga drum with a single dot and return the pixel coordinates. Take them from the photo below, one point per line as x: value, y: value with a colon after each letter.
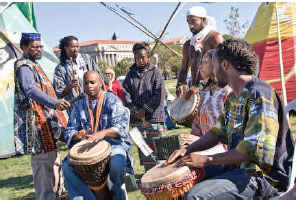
x: 183, y: 111
x: 91, y: 162
x: 169, y: 182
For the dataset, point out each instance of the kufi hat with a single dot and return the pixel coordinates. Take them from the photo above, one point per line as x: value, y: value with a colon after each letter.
x: 197, y: 11
x: 31, y: 36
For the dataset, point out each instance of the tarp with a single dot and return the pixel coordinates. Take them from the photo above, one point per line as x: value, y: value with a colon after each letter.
x: 12, y: 24
x: 263, y: 36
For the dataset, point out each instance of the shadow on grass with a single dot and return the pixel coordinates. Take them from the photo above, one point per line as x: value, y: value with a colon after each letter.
x: 29, y: 196
x: 129, y: 184
x: 18, y: 183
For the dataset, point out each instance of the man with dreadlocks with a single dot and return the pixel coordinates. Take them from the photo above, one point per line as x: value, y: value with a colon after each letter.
x: 112, y: 127
x: 203, y: 39
x: 68, y: 76
x: 258, y: 162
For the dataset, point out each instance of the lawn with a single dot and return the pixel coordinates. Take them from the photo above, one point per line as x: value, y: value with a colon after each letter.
x: 16, y: 180
x: 16, y: 173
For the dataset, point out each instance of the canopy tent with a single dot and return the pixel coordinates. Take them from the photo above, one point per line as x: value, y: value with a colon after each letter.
x: 263, y: 35
x: 12, y: 24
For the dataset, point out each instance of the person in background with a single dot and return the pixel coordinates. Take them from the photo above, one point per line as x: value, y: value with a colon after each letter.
x: 168, y: 122
x: 204, y: 38
x: 211, y: 103
x: 38, y: 120
x: 144, y: 95
x: 68, y: 75
x: 113, y: 84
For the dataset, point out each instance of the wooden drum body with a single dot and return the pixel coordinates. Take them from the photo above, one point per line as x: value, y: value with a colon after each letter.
x: 91, y: 162
x: 184, y: 111
x: 170, y: 182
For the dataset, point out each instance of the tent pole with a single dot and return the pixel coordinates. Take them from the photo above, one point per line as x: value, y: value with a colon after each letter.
x: 281, y: 59
x: 7, y: 39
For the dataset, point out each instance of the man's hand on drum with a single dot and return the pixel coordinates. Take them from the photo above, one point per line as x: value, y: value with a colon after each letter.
x: 192, y: 91
x: 80, y: 135
x: 96, y: 137
x: 193, y: 160
x: 187, y: 139
x: 175, y: 155
x: 180, y: 91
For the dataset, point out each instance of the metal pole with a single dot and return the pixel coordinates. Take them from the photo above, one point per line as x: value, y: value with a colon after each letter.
x: 5, y: 7
x: 281, y: 56
x: 281, y: 59
x: 144, y: 31
x: 166, y: 26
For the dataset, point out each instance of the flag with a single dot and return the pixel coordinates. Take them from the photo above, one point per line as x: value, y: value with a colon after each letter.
x: 28, y: 10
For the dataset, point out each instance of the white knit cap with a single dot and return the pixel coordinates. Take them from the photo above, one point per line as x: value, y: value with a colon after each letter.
x: 197, y: 11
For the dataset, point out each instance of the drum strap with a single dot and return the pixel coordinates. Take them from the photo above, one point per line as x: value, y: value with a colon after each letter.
x: 95, y: 122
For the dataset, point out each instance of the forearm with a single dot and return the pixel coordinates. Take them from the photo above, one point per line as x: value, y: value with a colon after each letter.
x: 41, y: 98
x: 227, y: 158
x: 110, y: 133
x: 205, y: 142
x: 67, y: 90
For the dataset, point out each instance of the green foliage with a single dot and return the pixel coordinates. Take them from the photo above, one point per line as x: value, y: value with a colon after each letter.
x: 234, y: 25
x: 122, y: 68
x: 102, y: 65
x: 169, y: 63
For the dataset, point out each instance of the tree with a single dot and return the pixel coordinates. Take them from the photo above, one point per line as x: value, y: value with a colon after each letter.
x: 122, y: 68
x: 169, y: 63
x: 233, y: 23
x: 102, y: 65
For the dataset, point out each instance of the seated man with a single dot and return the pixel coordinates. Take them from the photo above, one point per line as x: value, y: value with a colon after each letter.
x: 258, y: 162
x: 112, y: 127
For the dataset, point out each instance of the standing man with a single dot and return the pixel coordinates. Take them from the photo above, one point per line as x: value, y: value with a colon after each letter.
x: 97, y: 116
x: 204, y: 38
x: 259, y: 159
x: 144, y: 94
x: 68, y: 76
x: 37, y: 123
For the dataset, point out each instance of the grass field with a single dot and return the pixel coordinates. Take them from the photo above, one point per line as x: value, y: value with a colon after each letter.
x: 16, y: 180
x: 16, y: 173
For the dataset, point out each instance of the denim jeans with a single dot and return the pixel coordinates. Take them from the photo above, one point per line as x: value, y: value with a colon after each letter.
x: 77, y: 188
x: 234, y: 184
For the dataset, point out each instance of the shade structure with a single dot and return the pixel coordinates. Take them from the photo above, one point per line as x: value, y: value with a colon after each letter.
x: 263, y: 35
x: 12, y: 24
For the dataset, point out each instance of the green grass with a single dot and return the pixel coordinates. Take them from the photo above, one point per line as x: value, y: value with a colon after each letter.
x: 16, y: 174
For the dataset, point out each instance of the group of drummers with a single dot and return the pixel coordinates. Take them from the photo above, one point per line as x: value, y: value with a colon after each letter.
x: 227, y: 107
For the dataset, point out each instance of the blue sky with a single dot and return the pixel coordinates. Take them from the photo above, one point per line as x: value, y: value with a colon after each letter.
x: 92, y: 21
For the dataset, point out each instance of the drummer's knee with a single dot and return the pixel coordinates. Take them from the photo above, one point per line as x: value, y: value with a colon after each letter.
x: 191, y: 195
x: 117, y: 166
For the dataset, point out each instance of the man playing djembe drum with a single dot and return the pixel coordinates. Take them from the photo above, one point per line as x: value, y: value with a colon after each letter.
x: 112, y: 127
x: 258, y: 162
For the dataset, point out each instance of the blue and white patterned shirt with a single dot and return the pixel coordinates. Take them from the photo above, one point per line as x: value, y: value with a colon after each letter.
x: 113, y: 116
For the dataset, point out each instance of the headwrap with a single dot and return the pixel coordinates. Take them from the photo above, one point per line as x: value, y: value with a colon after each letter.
x: 31, y: 37
x: 196, y: 39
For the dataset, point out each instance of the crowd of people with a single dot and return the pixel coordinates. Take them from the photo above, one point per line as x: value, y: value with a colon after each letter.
x: 236, y: 109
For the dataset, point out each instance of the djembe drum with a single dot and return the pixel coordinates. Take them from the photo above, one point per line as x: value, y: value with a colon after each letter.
x: 170, y: 182
x: 91, y: 162
x: 183, y: 111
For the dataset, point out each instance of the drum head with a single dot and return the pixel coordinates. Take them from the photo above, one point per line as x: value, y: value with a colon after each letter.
x: 85, y: 153
x: 182, y: 108
x: 163, y: 174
